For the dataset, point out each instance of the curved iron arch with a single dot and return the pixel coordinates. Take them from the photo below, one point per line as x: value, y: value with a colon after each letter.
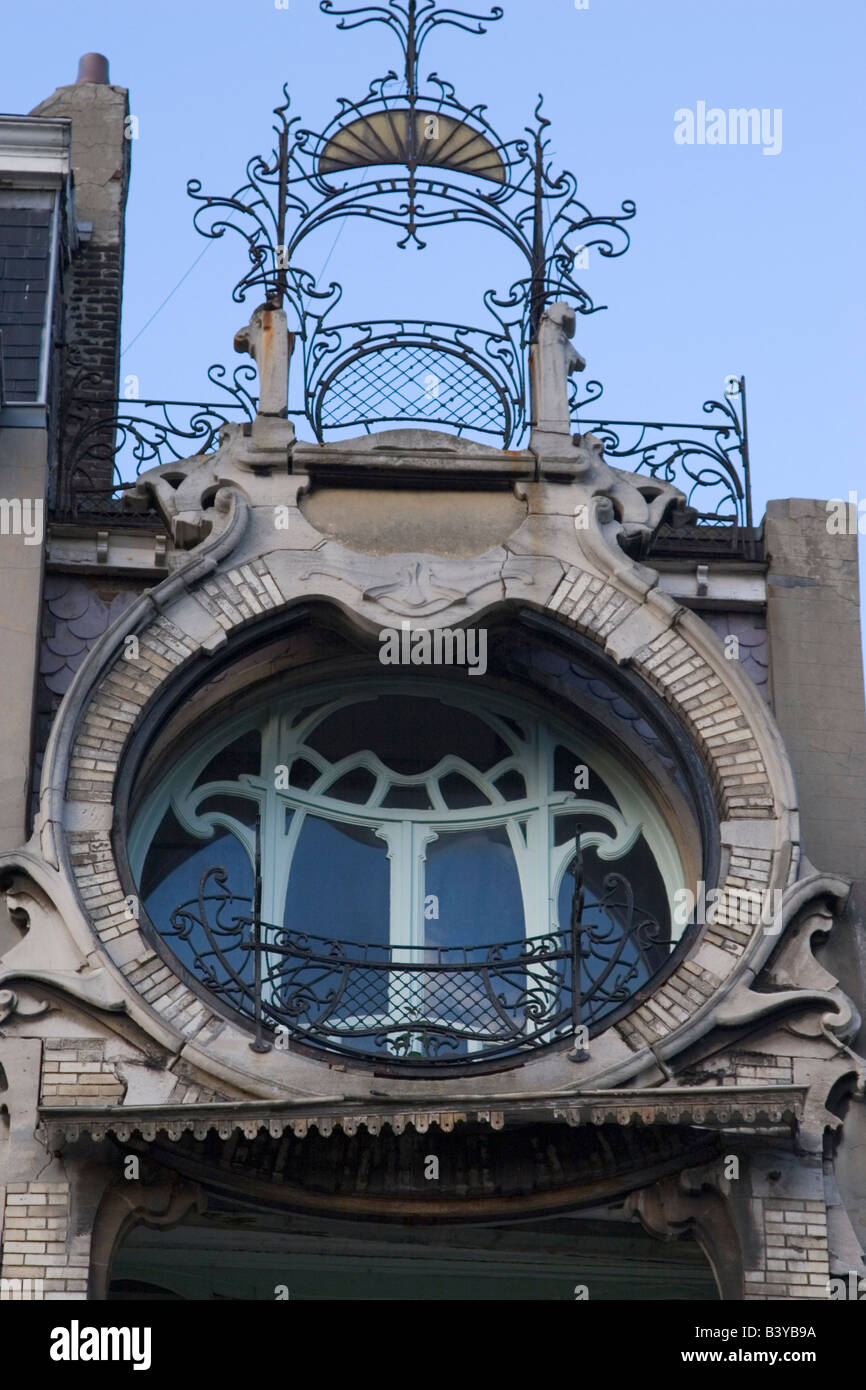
x: 504, y: 390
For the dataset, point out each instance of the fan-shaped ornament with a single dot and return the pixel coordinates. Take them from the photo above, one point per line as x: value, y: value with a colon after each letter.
x: 412, y: 137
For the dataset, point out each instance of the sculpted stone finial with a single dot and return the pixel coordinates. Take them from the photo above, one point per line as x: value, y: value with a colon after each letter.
x: 269, y: 343
x: 552, y: 359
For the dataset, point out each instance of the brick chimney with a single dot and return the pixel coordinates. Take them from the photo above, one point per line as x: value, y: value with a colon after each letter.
x: 100, y: 157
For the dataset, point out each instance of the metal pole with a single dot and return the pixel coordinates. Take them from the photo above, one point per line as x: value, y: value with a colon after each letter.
x: 580, y: 1054
x: 259, y: 1045
x: 411, y: 52
x: 747, y: 477
x: 282, y: 194
x: 537, y: 289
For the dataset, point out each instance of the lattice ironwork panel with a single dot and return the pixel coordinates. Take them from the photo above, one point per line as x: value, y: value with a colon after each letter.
x: 414, y: 383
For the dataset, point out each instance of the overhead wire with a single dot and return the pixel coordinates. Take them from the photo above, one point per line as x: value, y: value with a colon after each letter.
x: 159, y: 309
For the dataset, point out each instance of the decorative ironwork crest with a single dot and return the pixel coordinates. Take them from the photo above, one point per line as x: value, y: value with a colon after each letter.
x: 457, y: 170
x: 411, y: 155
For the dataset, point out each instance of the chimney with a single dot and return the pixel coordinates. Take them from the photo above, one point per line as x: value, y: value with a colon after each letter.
x: 100, y: 157
x: 93, y: 67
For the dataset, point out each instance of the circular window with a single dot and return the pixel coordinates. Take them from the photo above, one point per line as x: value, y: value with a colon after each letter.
x: 405, y: 872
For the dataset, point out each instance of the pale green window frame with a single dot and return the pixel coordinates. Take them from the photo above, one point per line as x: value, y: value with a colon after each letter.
x: 408, y: 832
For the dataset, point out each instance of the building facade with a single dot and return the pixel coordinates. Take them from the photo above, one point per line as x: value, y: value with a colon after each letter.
x: 433, y: 839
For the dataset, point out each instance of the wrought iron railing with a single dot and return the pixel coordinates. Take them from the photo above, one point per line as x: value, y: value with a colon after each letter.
x: 106, y: 444
x: 421, y: 1004
x: 355, y: 382
x: 709, y: 462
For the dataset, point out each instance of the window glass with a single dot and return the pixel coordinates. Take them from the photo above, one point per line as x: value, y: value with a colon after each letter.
x: 339, y: 886
x: 414, y: 855
x: 473, y: 880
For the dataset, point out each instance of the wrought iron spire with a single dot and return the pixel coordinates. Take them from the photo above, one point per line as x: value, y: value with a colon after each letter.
x: 412, y: 22
x: 418, y: 159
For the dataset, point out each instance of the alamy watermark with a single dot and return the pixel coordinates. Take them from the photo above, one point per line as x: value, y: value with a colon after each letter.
x: 22, y: 516
x: 739, y: 125
x: 846, y: 518
x: 850, y: 1288
x: 438, y: 646
x: 77, y: 1343
x: 22, y: 1290
x: 748, y: 906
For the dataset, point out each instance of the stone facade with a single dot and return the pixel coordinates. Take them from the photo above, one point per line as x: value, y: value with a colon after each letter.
x: 244, y: 573
x: 723, y: 1103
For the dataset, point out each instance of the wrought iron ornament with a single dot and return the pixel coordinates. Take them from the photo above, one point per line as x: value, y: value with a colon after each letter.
x: 461, y: 1004
x: 710, y: 463
x: 121, y: 438
x: 410, y: 155
x: 363, y: 373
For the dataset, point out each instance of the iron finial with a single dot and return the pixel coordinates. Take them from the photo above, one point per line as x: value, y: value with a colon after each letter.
x: 411, y: 22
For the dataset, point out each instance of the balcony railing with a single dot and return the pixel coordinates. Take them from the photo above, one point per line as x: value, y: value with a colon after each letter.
x: 420, y: 1004
x: 385, y: 381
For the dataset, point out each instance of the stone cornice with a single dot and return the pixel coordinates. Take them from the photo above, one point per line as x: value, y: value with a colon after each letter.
x: 34, y: 151
x: 754, y: 1109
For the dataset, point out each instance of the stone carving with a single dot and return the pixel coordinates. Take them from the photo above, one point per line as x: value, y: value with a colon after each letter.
x: 11, y: 1004
x: 415, y: 589
x: 126, y: 1205
x: 694, y: 1202
x: 794, y: 976
x: 552, y: 359
x: 46, y: 939
x: 421, y: 587
x: 270, y: 345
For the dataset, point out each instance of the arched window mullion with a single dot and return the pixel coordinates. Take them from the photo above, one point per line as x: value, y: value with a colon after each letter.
x: 373, y: 816
x: 365, y: 759
x: 296, y: 735
x: 275, y: 752
x: 279, y: 894
x: 523, y: 860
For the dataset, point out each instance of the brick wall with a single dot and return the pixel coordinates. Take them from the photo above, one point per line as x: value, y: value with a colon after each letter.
x: 36, y: 1240
x: 75, y: 1072
x: 796, y: 1260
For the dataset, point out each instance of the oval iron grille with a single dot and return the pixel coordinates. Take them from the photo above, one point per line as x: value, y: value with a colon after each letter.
x: 415, y: 383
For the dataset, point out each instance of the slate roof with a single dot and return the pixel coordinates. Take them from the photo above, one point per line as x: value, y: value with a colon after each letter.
x: 25, y: 248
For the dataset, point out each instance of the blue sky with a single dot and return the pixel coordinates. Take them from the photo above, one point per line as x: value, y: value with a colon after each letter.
x: 740, y: 262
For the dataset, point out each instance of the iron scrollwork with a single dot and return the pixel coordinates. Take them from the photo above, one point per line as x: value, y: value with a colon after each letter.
x: 107, y: 443
x: 709, y: 462
x: 419, y: 159
x: 458, y: 1004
